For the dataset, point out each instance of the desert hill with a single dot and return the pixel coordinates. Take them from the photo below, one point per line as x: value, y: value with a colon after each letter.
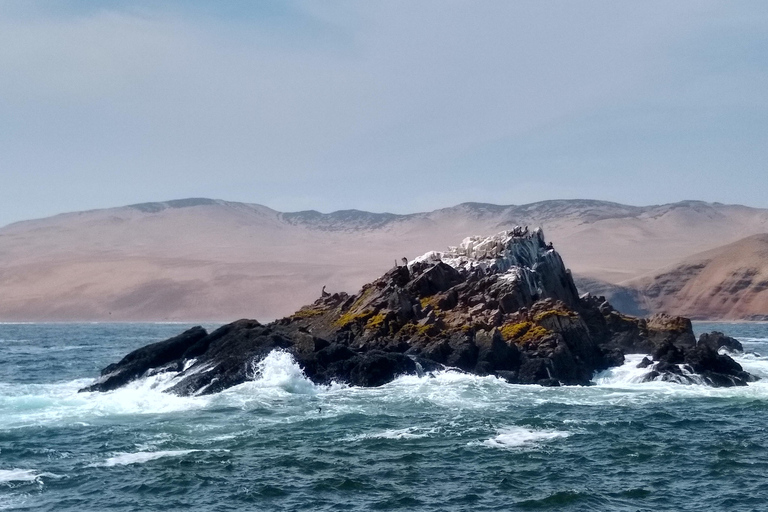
x: 204, y: 259
x: 729, y: 282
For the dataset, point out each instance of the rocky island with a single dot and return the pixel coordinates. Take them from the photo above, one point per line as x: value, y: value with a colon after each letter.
x: 504, y: 305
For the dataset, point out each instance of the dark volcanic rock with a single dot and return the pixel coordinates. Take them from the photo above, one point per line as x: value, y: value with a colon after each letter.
x: 717, y: 340
x: 230, y: 356
x: 504, y: 306
x: 716, y: 369
x: 168, y: 354
x: 645, y: 363
x: 699, y: 363
x: 375, y: 368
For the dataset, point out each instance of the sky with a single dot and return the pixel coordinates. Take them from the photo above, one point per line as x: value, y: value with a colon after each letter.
x: 397, y: 106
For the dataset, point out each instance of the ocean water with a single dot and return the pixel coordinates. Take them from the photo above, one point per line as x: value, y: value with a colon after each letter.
x: 451, y: 442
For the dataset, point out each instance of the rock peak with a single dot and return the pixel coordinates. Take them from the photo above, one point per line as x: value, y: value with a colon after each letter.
x: 518, y: 247
x: 517, y: 256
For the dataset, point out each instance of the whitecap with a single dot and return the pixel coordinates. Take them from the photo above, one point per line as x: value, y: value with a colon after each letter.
x: 394, y: 433
x: 18, y: 475
x: 448, y: 388
x: 520, y: 437
x: 23, y: 475
x: 124, y: 459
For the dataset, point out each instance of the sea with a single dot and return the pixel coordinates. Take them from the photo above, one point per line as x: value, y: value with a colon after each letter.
x: 445, y: 442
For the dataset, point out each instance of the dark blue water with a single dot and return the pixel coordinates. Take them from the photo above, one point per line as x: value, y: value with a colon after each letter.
x: 454, y: 442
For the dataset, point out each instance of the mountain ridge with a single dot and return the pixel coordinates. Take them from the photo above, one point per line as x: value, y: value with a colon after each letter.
x: 210, y: 259
x: 158, y: 206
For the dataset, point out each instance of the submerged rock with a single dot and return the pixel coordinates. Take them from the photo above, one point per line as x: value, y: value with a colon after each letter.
x: 503, y: 305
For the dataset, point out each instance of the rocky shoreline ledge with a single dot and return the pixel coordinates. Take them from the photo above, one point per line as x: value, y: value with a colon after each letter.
x: 504, y: 305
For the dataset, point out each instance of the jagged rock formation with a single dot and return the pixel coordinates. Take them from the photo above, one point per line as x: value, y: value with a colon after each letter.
x: 503, y: 305
x: 690, y: 362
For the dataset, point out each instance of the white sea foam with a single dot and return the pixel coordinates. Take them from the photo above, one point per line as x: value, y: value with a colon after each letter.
x: 124, y: 459
x: 18, y: 475
x: 41, y: 404
x: 449, y: 388
x: 24, y: 475
x: 520, y: 437
x: 278, y: 378
x: 394, y: 433
x: 628, y: 373
x: 274, y: 377
x: 753, y: 363
x: 280, y: 370
x: 620, y: 385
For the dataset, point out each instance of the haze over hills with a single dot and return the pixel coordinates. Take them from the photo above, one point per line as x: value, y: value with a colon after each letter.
x: 203, y: 259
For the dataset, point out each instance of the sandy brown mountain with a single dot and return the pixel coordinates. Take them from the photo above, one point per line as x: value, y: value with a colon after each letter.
x: 728, y: 282
x: 199, y: 259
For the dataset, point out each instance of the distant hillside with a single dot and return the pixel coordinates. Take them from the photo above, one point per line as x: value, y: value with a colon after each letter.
x: 624, y: 298
x: 204, y: 259
x: 729, y: 282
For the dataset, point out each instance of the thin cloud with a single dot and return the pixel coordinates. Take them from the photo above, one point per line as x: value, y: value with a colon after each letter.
x: 396, y: 106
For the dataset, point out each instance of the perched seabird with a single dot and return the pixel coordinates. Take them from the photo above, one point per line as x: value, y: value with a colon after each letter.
x: 324, y: 293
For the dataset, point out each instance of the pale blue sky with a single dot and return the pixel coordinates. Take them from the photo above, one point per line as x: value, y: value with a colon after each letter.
x: 385, y: 106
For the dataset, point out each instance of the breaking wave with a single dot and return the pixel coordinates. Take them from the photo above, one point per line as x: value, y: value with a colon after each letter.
x: 443, y: 440
x: 19, y: 475
x: 520, y: 437
x: 278, y: 376
x: 124, y: 459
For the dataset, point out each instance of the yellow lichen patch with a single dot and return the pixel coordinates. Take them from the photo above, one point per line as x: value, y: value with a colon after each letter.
x: 523, y: 331
x: 375, y: 322
x: 425, y: 330
x: 308, y: 313
x: 534, y: 333
x: 350, y: 318
x: 432, y: 300
x: 514, y: 331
